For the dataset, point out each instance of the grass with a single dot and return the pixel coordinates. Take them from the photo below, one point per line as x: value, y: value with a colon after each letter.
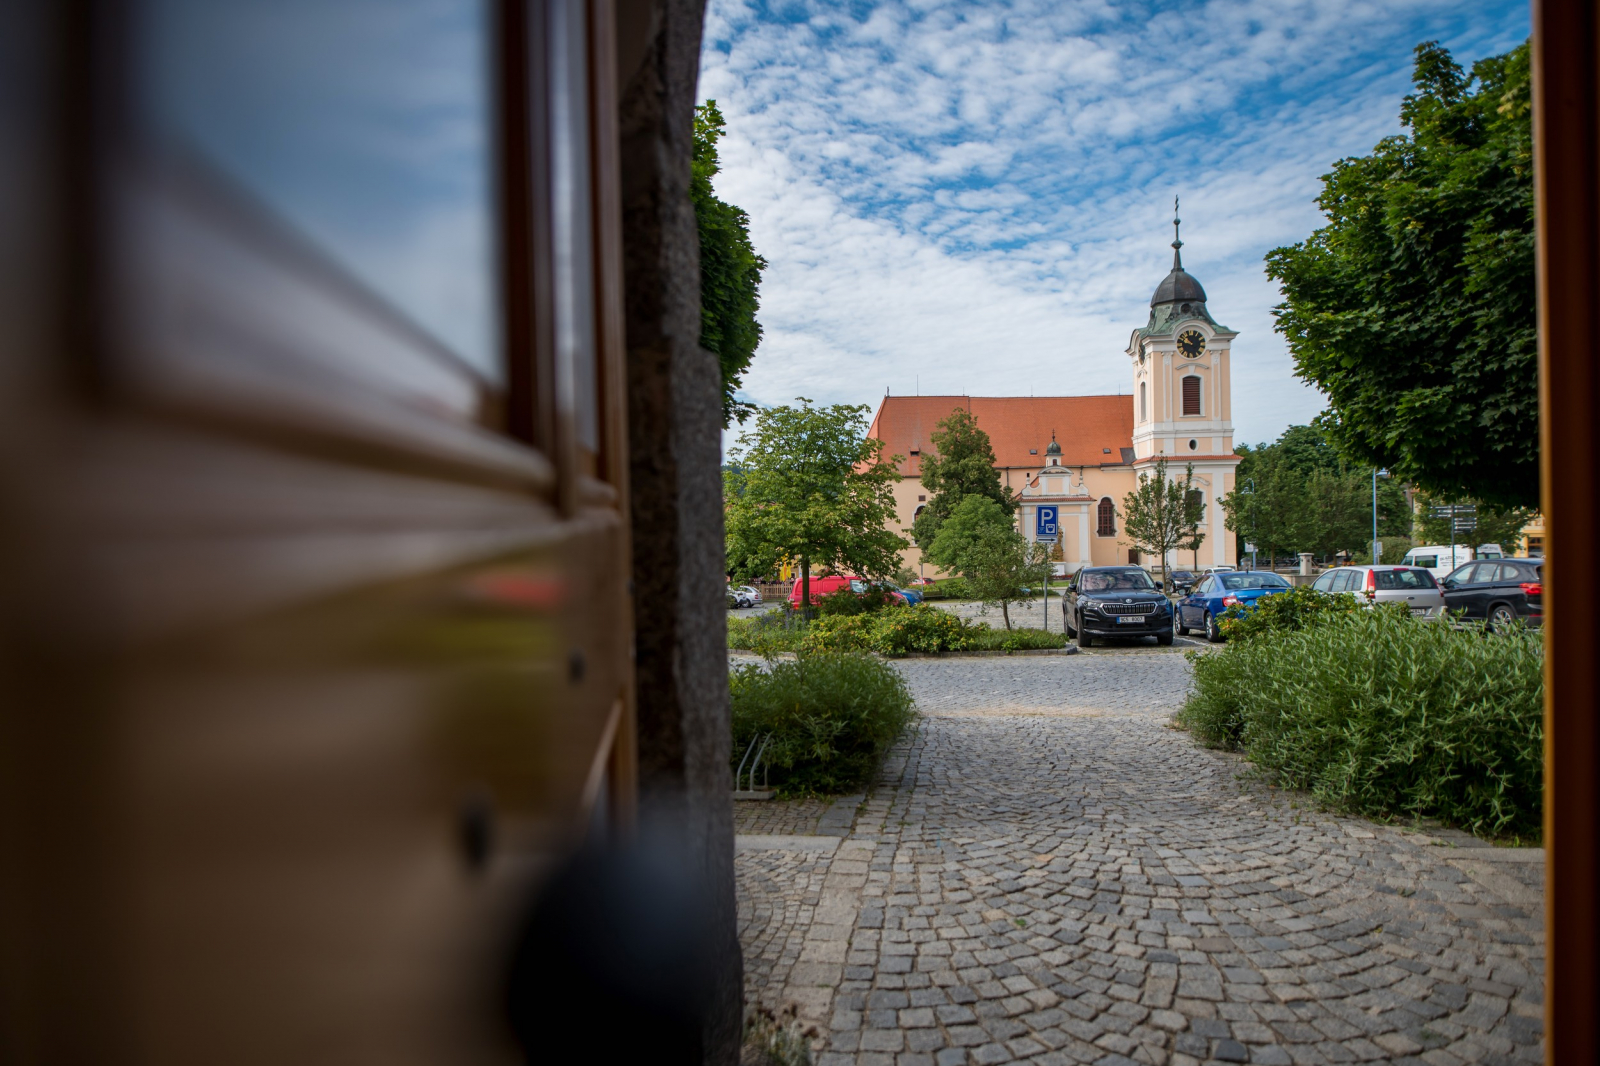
x: 1379, y: 713
x: 831, y: 716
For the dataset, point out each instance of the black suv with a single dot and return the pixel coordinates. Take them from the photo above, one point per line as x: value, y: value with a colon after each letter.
x: 1497, y: 592
x: 1115, y: 601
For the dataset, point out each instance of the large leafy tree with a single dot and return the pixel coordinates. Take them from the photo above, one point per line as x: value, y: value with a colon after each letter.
x: 1298, y: 494
x: 1413, y: 309
x: 967, y: 524
x: 730, y: 269
x: 960, y: 464
x: 808, y: 484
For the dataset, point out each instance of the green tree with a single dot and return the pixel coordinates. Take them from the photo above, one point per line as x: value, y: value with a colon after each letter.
x: 971, y: 519
x: 1413, y: 309
x: 960, y: 464
x: 730, y: 269
x: 999, y: 564
x: 1494, y: 525
x: 1158, y: 516
x: 1297, y: 494
x: 807, y: 483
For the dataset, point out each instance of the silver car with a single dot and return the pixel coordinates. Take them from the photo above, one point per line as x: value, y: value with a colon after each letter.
x: 1411, y: 585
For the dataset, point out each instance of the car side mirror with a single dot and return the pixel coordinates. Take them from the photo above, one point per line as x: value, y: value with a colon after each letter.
x: 1159, y: 585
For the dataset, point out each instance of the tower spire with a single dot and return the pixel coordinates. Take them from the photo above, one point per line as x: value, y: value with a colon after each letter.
x: 1177, y: 242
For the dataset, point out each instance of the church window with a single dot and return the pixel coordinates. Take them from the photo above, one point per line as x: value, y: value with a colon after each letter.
x: 1194, y: 445
x: 1191, y: 395
x: 1108, y: 517
x: 1144, y: 403
x: 1197, y: 502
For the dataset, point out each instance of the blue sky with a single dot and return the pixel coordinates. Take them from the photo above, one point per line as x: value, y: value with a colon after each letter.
x: 977, y: 197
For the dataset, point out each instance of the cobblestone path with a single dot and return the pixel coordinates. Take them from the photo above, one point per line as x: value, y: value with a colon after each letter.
x: 1048, y: 873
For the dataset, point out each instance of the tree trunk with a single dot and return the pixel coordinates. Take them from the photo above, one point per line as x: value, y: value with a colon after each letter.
x: 1006, y: 614
x: 805, y: 587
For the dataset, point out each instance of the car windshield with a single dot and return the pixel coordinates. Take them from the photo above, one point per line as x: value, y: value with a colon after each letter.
x: 1237, y: 581
x: 1115, y: 581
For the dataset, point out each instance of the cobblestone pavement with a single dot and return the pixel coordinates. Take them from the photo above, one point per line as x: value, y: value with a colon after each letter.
x: 1048, y: 873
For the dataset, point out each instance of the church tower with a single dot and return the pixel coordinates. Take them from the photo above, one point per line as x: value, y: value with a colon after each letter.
x: 1182, y: 408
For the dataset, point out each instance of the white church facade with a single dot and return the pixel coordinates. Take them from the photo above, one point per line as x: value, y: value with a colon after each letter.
x: 1083, y: 454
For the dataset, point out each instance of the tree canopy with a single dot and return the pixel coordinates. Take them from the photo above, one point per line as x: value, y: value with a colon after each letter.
x: 965, y: 526
x: 808, y: 484
x: 960, y: 464
x: 730, y: 269
x: 1413, y: 309
x: 1298, y: 494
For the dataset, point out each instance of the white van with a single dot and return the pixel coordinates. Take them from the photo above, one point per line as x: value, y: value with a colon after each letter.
x: 1437, y: 558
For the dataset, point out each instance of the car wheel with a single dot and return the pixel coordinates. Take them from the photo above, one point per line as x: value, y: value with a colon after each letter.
x: 1084, y: 639
x: 1183, y: 630
x: 1164, y: 639
x: 1066, y: 621
x: 1501, y: 617
x: 1213, y: 634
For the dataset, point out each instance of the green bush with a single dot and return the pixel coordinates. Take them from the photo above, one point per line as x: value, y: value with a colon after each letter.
x: 1016, y: 640
x: 831, y: 717
x: 1284, y: 611
x: 1377, y: 712
x: 893, y: 631
x: 767, y: 633
x: 950, y: 588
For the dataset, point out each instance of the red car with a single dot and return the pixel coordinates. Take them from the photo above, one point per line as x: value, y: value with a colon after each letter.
x: 821, y: 586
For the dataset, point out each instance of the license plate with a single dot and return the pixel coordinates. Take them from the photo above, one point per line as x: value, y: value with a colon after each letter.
x: 1133, y: 621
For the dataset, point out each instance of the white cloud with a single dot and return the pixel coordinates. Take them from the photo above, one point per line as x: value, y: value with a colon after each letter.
x: 976, y: 196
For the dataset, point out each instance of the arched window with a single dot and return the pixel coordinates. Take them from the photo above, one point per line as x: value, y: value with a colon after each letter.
x: 1197, y: 506
x: 1108, y: 517
x: 1191, y: 395
x: 1144, y: 403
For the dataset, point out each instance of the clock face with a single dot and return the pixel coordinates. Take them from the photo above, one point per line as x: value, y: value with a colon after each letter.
x: 1191, y: 343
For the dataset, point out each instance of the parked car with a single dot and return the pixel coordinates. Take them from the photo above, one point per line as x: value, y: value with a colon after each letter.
x: 1184, y: 580
x: 1411, y: 585
x: 911, y: 596
x: 1220, y: 568
x: 1219, y: 591
x: 822, y: 586
x: 751, y: 594
x: 1438, y: 559
x: 1115, y: 601
x: 1498, y: 592
x: 921, y: 582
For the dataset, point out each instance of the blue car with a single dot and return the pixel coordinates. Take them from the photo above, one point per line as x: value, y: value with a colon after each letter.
x: 1217, y: 592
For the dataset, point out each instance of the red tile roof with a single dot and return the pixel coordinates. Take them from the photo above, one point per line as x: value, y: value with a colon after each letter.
x: 1085, y: 426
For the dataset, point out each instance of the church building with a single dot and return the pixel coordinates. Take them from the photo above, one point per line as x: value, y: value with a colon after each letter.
x: 1083, y: 454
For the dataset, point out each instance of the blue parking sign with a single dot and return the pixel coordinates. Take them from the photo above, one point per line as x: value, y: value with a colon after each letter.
x: 1047, y: 522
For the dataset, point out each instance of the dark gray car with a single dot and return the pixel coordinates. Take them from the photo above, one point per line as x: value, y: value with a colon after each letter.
x: 1115, y: 601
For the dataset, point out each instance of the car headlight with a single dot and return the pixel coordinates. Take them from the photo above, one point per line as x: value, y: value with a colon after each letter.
x: 1091, y: 605
x: 1162, y: 607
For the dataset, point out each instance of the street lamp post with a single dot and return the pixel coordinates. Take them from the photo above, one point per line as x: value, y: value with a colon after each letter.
x: 1376, y: 474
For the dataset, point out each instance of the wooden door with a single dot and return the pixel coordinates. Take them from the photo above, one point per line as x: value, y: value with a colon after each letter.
x: 317, y: 631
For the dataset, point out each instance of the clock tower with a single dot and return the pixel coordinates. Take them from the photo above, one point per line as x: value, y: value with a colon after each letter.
x: 1181, y: 404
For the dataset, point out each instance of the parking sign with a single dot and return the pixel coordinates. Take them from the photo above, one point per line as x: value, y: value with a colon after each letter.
x: 1046, y: 527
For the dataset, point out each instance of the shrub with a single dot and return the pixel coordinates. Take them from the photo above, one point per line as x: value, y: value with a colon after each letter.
x: 1284, y: 611
x: 1378, y: 712
x: 893, y: 631
x: 950, y: 588
x: 767, y: 633
x: 831, y: 717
